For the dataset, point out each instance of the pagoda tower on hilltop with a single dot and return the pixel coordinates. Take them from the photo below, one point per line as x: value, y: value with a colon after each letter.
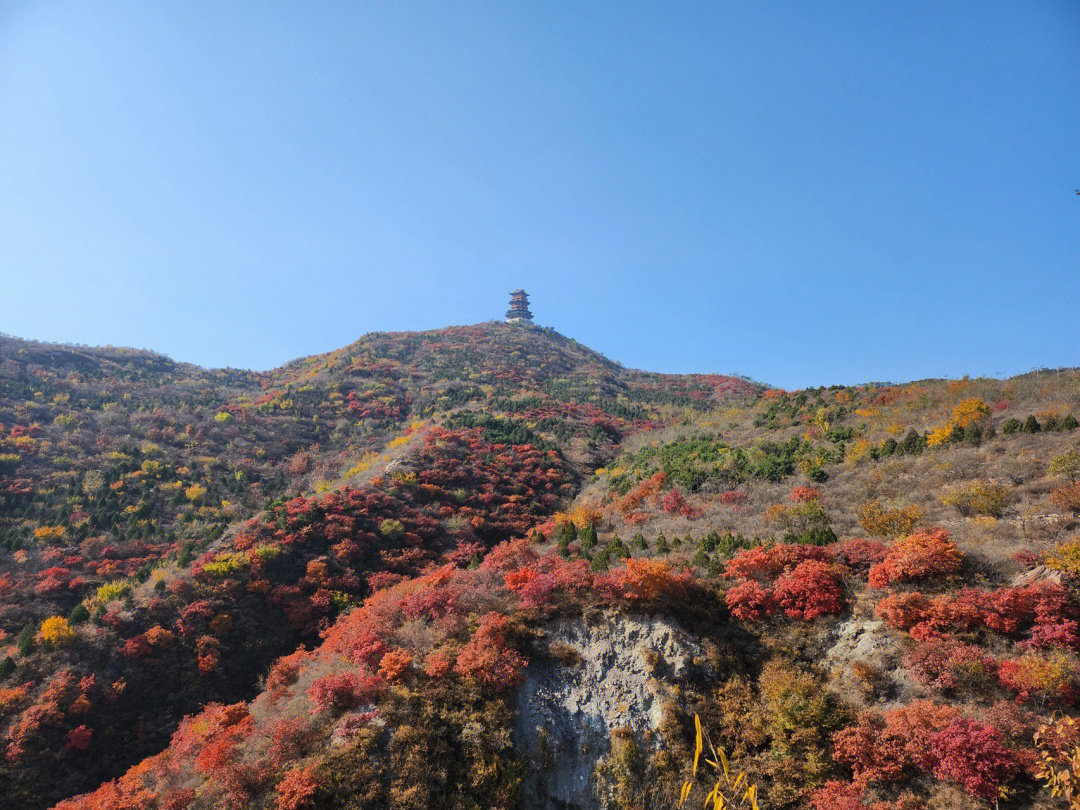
x: 519, y: 308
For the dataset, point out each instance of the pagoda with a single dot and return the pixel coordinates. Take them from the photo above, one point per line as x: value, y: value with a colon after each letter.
x: 519, y: 308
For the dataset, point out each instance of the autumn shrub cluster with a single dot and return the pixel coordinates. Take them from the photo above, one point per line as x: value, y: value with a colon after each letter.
x: 933, y: 738
x: 1043, y: 611
x: 801, y: 580
x: 929, y: 553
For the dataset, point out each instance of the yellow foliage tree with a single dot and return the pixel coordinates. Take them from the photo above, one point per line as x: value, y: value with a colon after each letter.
x: 970, y: 411
x: 581, y: 516
x: 882, y: 521
x: 195, y: 492
x: 49, y: 534
x: 978, y: 498
x: 939, y: 435
x: 56, y: 631
x: 1065, y: 559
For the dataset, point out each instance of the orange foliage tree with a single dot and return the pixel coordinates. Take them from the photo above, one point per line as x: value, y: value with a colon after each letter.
x: 927, y: 553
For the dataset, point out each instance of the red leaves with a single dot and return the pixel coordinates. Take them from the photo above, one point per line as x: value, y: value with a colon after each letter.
x: 1051, y: 679
x: 1043, y: 608
x: 733, y: 498
x: 285, y: 670
x: 208, y: 650
x: 488, y: 657
x: 834, y: 795
x: 547, y: 578
x: 859, y: 553
x: 56, y: 580
x: 296, y: 789
x: 79, y: 738
x: 1067, y: 497
x: 810, y: 590
x: 645, y: 491
x: 135, y: 647
x: 437, y: 665
x: 675, y: 503
x: 927, y: 553
x: 946, y: 663
x: 804, y: 494
x: 433, y: 601
x: 339, y: 691
x: 806, y: 586
x: 395, y: 665
x: 288, y: 738
x: 749, y: 601
x: 768, y: 563
x: 929, y: 737
x: 647, y: 580
x: 973, y: 755
x: 875, y: 750
x: 879, y: 748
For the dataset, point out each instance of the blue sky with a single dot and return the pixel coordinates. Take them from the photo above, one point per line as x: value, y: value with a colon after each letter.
x: 806, y: 193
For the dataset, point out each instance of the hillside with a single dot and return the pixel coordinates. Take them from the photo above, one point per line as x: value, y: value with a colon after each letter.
x: 485, y: 566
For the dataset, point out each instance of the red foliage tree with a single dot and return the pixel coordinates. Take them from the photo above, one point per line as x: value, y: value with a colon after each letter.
x: 285, y: 669
x: 834, y: 795
x: 437, y: 664
x: 874, y: 750
x: 488, y: 656
x: 335, y: 692
x: 809, y: 590
x: 903, y: 610
x: 540, y: 583
x: 768, y: 563
x: 882, y: 748
x: 1043, y: 608
x: 749, y: 601
x: 972, y: 755
x: 1049, y: 679
x: 297, y: 788
x: 675, y: 503
x: 79, y: 738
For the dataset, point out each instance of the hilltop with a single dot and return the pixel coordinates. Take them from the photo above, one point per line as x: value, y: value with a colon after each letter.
x: 370, y: 577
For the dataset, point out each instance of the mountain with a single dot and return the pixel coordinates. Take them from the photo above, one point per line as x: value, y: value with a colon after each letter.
x: 485, y: 566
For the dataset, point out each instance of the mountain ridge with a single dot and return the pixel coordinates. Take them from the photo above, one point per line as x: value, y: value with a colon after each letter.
x: 451, y: 496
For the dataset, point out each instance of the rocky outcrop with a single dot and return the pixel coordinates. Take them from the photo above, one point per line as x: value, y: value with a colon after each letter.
x: 609, y: 673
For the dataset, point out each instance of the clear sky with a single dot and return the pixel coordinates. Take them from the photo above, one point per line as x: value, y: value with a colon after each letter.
x: 806, y: 193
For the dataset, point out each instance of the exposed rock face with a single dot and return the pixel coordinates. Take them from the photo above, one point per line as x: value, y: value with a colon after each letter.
x: 871, y: 644
x: 1040, y: 573
x: 862, y: 640
x: 565, y: 714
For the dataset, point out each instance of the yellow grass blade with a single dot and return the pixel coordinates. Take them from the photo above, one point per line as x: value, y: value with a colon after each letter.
x: 712, y: 794
x: 697, y: 743
x: 684, y: 795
